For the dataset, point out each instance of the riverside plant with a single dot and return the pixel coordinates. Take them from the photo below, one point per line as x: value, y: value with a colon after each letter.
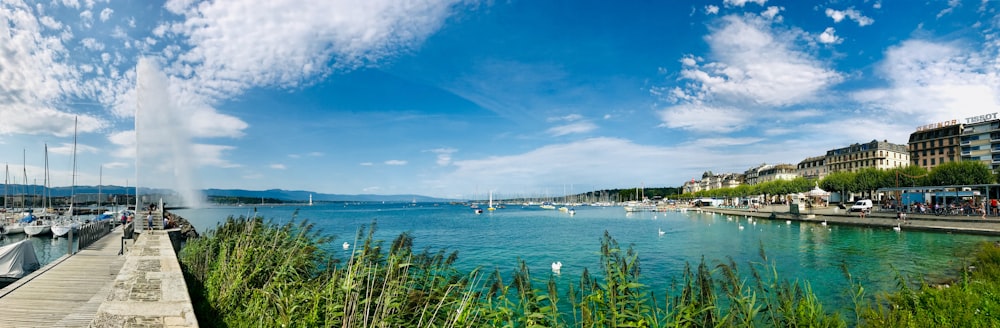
x: 253, y: 273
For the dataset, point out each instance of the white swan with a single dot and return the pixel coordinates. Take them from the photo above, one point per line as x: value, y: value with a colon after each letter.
x: 788, y: 221
x: 823, y: 223
x: 896, y: 228
x: 347, y: 245
x: 741, y: 227
x: 660, y: 231
x: 556, y: 267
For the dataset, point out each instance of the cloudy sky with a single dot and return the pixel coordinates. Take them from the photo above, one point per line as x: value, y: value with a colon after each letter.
x: 453, y: 98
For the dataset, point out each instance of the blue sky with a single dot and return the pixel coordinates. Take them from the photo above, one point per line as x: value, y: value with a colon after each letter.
x: 454, y: 98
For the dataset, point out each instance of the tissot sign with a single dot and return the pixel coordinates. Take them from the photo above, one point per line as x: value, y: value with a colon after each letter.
x: 981, y: 118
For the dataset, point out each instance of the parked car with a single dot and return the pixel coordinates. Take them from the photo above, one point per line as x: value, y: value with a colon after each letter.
x: 862, y: 205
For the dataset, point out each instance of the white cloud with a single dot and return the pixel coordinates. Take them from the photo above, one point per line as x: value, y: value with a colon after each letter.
x: 92, y: 44
x: 952, y: 4
x: 931, y: 82
x: 754, y: 64
x: 877, y: 4
x: 234, y: 45
x: 278, y: 166
x: 702, y: 118
x: 443, y: 155
x: 711, y: 9
x: 395, y: 162
x: 86, y: 19
x: 366, y: 164
x: 572, y: 128
x: 567, y: 118
x: 716, y: 142
x: 71, y: 3
x: 549, y: 168
x: 741, y: 3
x: 828, y: 36
x: 106, y: 14
x: 772, y: 12
x: 851, y: 13
x: 35, y: 77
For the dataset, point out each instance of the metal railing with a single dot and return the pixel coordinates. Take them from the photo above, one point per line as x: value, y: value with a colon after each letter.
x: 91, y: 232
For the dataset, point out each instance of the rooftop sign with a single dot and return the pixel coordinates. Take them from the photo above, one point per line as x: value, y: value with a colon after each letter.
x: 938, y: 125
x: 981, y: 118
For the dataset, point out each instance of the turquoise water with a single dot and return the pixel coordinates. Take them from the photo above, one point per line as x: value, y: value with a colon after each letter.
x: 498, y: 239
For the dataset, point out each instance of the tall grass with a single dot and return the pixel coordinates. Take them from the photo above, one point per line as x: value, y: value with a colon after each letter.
x: 252, y: 273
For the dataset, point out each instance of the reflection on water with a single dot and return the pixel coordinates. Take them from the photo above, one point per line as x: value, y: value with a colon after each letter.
x: 498, y: 239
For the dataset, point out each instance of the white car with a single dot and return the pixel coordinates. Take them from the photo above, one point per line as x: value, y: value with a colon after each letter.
x: 862, y: 205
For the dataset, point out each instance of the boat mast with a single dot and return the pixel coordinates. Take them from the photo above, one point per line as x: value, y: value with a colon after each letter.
x: 6, y: 183
x: 45, y: 189
x: 72, y: 188
x: 100, y: 181
x: 24, y: 183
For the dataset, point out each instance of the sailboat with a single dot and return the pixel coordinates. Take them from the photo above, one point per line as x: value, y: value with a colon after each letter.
x: 67, y: 224
x: 491, y: 208
x: 11, y: 227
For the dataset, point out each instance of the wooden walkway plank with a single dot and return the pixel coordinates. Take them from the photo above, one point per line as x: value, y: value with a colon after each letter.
x: 68, y: 291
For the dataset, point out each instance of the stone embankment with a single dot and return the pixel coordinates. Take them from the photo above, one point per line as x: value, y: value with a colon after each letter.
x: 972, y: 224
x: 150, y: 290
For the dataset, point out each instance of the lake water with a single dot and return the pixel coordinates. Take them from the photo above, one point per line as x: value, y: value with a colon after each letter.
x: 802, y: 251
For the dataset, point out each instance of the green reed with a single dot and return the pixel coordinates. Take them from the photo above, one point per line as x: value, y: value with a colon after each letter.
x: 252, y: 273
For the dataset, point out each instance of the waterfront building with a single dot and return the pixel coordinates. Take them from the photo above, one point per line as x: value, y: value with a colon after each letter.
x: 934, y: 144
x: 875, y: 154
x: 980, y: 140
x: 812, y: 168
x: 711, y: 181
x: 770, y: 172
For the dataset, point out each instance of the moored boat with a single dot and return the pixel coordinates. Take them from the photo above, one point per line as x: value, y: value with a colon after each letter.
x: 17, y: 260
x: 38, y: 227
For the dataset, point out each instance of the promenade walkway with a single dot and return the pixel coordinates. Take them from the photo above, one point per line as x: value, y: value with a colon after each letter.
x: 66, y: 292
x: 973, y: 224
x: 149, y: 290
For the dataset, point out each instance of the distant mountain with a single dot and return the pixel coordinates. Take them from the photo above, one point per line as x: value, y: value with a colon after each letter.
x: 303, y: 196
x: 287, y: 195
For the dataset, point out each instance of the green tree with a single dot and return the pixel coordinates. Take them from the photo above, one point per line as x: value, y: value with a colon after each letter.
x: 960, y: 173
x: 907, y: 176
x: 842, y: 182
x: 867, y: 180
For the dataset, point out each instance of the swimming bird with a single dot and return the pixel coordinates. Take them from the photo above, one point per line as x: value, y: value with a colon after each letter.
x: 347, y: 245
x: 788, y: 221
x: 823, y: 223
x: 896, y: 228
x: 660, y: 231
x: 556, y: 267
x: 741, y: 227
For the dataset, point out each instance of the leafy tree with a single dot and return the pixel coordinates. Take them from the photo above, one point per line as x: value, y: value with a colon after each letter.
x: 960, y: 173
x: 867, y: 180
x: 842, y: 182
x: 907, y: 176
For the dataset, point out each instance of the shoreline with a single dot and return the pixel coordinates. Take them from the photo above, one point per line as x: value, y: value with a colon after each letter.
x: 832, y: 215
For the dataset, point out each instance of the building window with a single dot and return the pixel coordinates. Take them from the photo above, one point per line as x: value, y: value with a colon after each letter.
x: 932, y: 161
x: 925, y: 162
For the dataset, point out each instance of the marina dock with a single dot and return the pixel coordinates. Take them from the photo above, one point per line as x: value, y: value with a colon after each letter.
x: 66, y: 292
x: 98, y: 287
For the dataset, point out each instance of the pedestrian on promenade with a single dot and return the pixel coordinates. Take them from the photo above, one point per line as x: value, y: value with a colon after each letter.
x: 993, y: 206
x: 862, y: 213
x: 149, y: 220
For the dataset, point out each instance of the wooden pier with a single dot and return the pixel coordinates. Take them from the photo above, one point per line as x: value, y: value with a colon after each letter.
x: 66, y: 292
